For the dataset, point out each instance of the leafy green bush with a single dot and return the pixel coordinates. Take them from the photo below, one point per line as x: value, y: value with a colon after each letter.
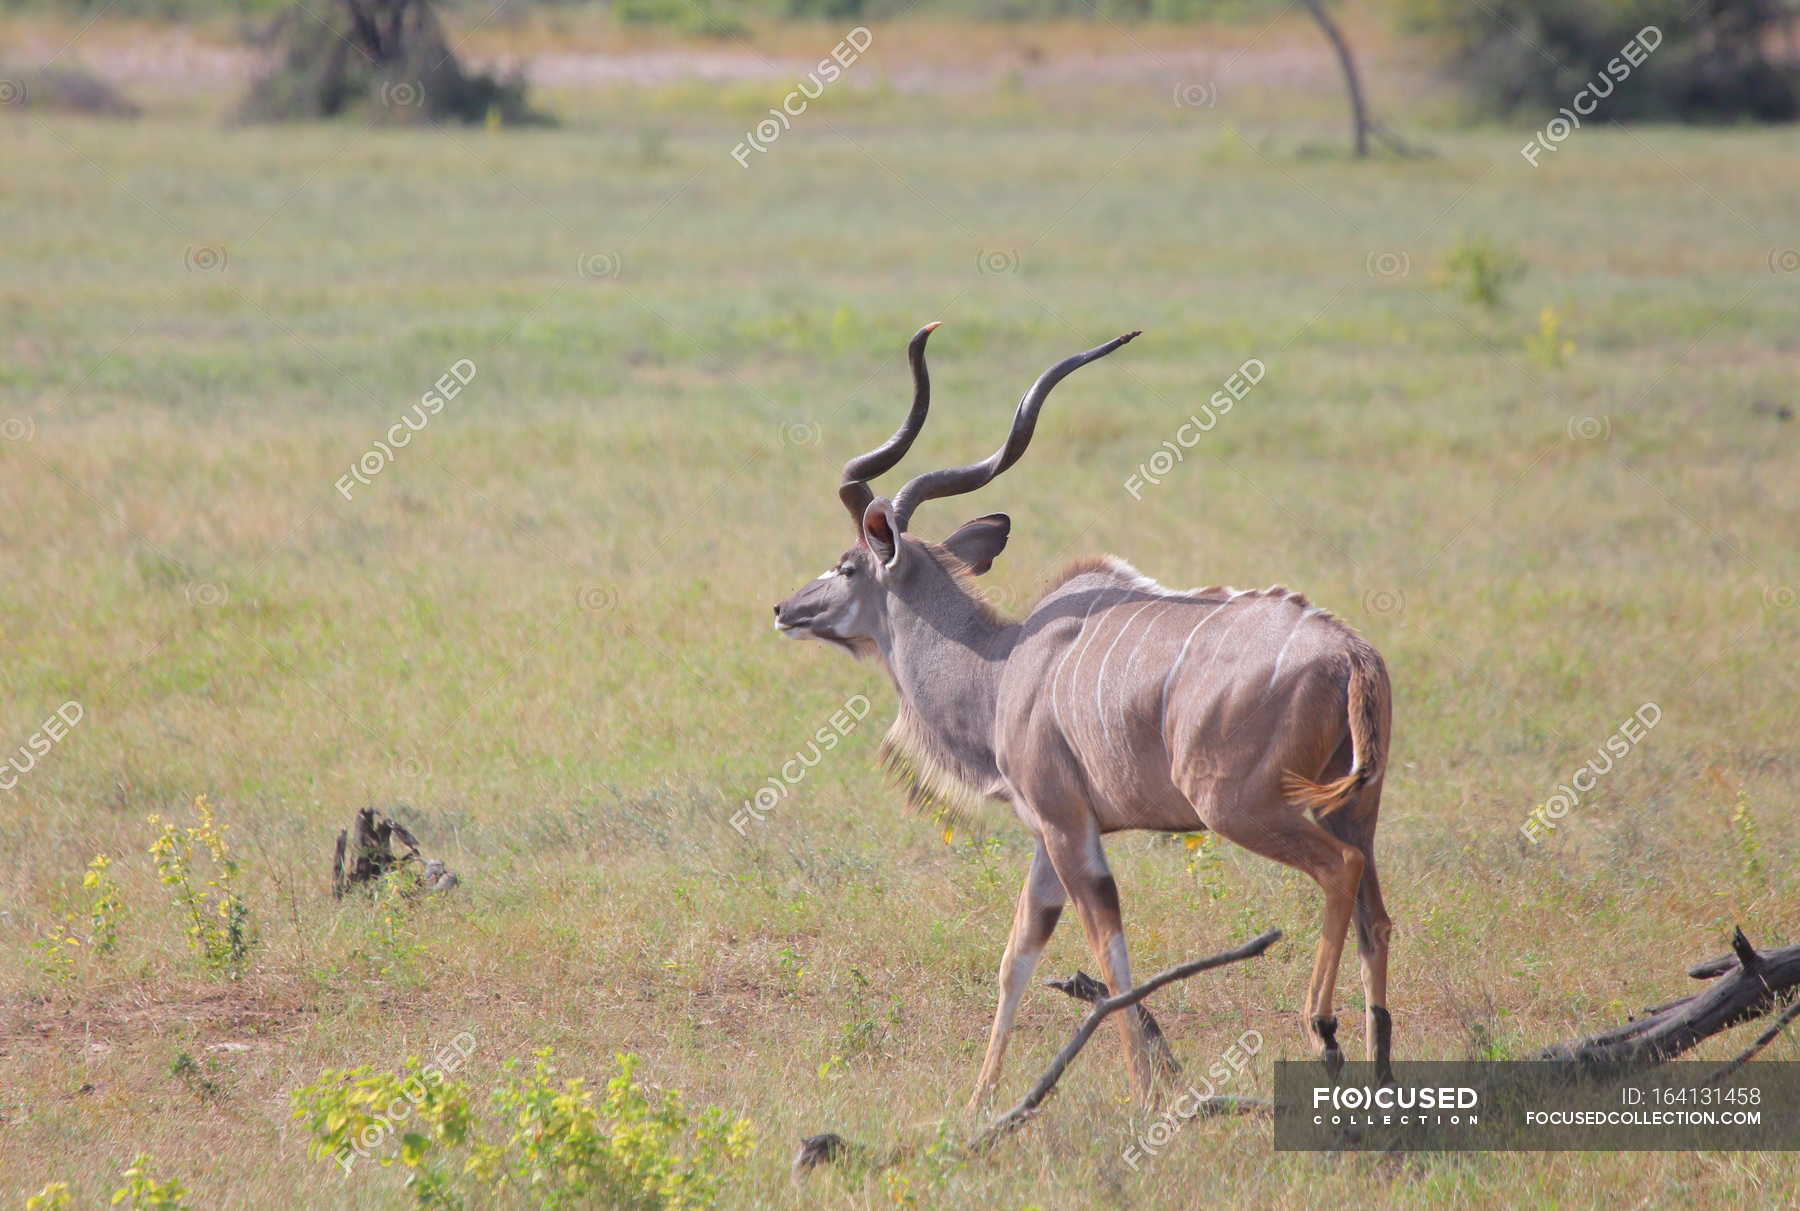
x: 218, y: 921
x: 1481, y: 271
x: 1548, y: 347
x: 1536, y: 55
x: 551, y: 1142
x: 141, y: 1191
x: 330, y: 63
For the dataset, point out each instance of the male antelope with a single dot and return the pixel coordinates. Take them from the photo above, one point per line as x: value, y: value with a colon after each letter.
x: 1115, y: 704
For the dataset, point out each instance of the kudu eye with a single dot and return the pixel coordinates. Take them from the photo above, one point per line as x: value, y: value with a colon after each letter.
x: 848, y: 569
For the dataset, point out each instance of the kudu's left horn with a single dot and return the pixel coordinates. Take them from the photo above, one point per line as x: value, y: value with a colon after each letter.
x: 854, y: 489
x: 954, y: 481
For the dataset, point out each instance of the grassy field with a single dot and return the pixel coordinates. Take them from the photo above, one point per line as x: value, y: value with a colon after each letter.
x: 539, y: 634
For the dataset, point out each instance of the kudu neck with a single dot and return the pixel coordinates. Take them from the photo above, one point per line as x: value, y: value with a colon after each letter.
x: 945, y: 654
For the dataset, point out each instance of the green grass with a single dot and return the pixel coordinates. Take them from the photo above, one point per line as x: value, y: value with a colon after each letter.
x: 543, y: 629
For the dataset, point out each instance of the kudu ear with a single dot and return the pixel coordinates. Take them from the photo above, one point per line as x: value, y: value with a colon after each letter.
x: 979, y: 542
x: 879, y: 533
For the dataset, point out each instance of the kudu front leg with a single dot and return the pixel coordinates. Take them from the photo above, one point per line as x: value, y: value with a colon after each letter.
x: 1041, y: 902
x: 1081, y: 864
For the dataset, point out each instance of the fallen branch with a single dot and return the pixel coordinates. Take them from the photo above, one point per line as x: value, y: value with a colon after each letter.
x: 1084, y: 987
x: 831, y: 1148
x: 1026, y: 1108
x: 1750, y: 984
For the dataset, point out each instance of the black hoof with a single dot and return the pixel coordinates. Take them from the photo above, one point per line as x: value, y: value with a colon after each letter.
x: 1326, y: 1029
x: 1334, y: 1062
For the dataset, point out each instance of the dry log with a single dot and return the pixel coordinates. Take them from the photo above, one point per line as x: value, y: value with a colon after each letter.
x: 1749, y: 984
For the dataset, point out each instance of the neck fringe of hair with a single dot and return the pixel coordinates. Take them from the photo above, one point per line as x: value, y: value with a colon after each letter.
x: 934, y: 782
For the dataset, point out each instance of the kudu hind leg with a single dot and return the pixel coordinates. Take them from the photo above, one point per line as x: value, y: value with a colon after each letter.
x: 1289, y: 836
x: 1040, y: 903
x: 1374, y: 930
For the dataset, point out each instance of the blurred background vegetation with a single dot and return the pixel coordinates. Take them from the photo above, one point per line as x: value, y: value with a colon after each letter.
x: 1717, y: 61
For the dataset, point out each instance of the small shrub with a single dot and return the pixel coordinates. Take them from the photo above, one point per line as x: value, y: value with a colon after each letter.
x: 826, y: 10
x: 218, y: 921
x: 701, y: 18
x: 1717, y: 62
x: 1481, y: 272
x: 53, y: 1197
x: 146, y: 1192
x: 553, y: 1141
x: 104, y: 910
x: 57, y: 950
x: 105, y: 906
x: 389, y: 945
x: 1747, y: 840
x: 190, y: 1072
x: 66, y: 88
x: 1548, y: 347
x: 1205, y: 863
x: 387, y: 61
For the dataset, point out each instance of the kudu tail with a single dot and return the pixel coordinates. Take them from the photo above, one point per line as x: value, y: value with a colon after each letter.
x: 1367, y: 707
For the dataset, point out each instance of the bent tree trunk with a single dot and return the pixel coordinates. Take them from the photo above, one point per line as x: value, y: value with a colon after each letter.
x: 1359, y: 113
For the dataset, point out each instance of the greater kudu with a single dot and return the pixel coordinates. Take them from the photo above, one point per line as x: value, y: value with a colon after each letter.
x: 1115, y: 704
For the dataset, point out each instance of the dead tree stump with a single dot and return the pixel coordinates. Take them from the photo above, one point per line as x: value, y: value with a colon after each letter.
x: 367, y: 847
